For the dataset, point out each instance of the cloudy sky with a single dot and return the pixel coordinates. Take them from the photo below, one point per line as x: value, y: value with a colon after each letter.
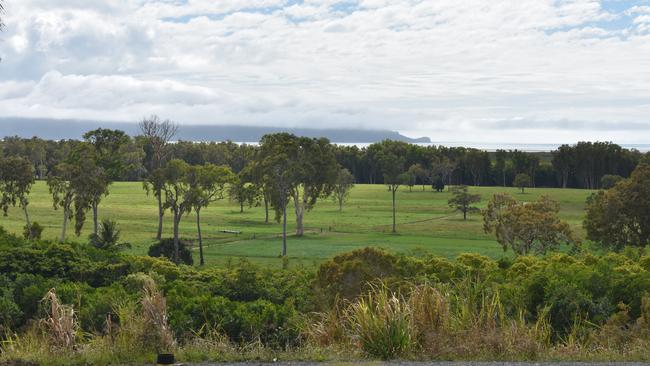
x: 453, y: 70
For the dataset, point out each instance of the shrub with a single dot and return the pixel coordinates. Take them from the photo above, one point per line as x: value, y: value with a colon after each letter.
x: 347, y: 275
x: 165, y: 248
x: 33, y: 232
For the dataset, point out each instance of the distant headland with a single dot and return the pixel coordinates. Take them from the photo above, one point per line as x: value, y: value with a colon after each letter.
x: 60, y: 129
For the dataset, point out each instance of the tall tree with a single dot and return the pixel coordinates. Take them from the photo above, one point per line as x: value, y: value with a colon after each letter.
x: 501, y: 157
x: 392, y: 166
x: 263, y: 181
x: 90, y: 182
x: 243, y: 191
x: 16, y: 180
x: 526, y: 227
x: 342, y: 187
x: 208, y: 184
x: 522, y: 181
x: 478, y: 163
x: 462, y: 200
x: 563, y: 161
x: 421, y: 174
x: 157, y: 134
x: 311, y: 169
x: 59, y: 182
x: 444, y: 167
x: 620, y: 216
x: 177, y: 191
x: 108, y: 146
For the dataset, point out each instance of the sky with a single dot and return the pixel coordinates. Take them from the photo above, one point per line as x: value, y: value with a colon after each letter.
x: 537, y: 71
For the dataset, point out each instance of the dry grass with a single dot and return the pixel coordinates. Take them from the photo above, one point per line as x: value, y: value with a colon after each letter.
x: 61, y: 323
x: 463, y: 321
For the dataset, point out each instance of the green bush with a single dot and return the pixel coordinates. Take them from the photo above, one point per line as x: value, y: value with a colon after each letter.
x: 165, y: 248
x: 33, y: 231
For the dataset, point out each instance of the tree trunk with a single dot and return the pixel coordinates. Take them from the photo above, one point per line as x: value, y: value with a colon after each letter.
x: 161, y: 213
x: 394, y: 225
x: 95, y: 225
x: 465, y: 215
x: 340, y: 204
x: 284, y: 226
x: 23, y: 203
x: 241, y: 207
x: 266, y: 208
x: 177, y: 220
x: 65, y: 225
x: 198, y: 229
x: 300, y: 212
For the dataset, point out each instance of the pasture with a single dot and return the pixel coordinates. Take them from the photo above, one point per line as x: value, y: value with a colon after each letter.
x: 426, y: 224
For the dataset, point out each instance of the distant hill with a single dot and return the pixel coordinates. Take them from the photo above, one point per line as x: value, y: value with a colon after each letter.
x: 58, y: 129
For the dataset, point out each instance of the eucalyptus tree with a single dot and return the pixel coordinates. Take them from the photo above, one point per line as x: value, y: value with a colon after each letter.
x: 392, y: 166
x: 500, y: 162
x: 157, y: 135
x: 421, y: 173
x: 309, y: 170
x: 444, y: 167
x: 60, y: 184
x: 300, y: 169
x: 107, y: 165
x: 177, y: 191
x: 16, y: 180
x: 277, y: 159
x: 208, y: 184
x: 263, y: 181
x: 342, y: 187
x: 243, y: 191
x: 90, y: 182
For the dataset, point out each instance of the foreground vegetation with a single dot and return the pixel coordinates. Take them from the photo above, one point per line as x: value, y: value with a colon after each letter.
x: 425, y: 223
x: 75, y: 304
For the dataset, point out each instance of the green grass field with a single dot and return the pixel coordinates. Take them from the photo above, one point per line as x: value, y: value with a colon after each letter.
x: 425, y: 223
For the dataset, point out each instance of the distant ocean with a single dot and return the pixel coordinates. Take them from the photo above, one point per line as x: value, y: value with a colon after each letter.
x: 489, y: 146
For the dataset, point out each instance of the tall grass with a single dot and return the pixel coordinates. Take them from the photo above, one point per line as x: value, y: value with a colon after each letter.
x: 462, y: 321
x: 60, y: 324
x: 381, y: 322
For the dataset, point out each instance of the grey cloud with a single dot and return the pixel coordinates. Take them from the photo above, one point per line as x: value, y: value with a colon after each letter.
x: 564, y: 125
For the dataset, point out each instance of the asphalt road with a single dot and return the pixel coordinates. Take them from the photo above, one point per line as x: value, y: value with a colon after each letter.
x: 399, y: 363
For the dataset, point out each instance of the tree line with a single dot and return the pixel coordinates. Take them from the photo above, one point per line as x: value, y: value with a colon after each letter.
x: 287, y: 172
x: 582, y: 165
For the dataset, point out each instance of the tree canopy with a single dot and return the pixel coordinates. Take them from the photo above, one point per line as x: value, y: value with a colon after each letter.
x: 621, y: 216
x: 526, y: 227
x: 462, y: 200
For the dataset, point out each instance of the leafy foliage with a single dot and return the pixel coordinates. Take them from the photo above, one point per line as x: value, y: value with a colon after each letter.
x: 168, y: 249
x: 619, y: 216
x: 522, y: 181
x: 462, y: 200
x: 344, y: 183
x: 526, y: 227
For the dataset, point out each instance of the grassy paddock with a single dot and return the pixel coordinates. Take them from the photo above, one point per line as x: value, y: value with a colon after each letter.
x: 425, y: 223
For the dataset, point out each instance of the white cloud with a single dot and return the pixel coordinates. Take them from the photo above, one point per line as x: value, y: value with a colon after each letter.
x: 442, y: 68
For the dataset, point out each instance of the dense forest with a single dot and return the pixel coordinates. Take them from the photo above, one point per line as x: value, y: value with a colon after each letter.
x: 582, y: 165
